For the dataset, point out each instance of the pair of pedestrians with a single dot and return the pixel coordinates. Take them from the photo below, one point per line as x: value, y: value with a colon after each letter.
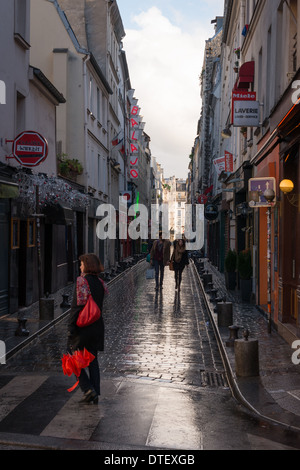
x: 160, y: 258
x: 90, y: 338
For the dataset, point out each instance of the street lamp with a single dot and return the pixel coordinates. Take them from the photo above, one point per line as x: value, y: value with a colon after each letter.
x: 226, y: 133
x: 269, y: 195
x: 287, y: 186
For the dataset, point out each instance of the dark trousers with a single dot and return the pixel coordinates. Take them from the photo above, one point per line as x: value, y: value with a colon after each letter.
x: 91, y: 380
x: 159, y: 268
x: 178, y: 276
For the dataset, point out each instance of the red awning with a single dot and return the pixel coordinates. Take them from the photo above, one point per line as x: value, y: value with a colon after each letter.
x: 246, y: 75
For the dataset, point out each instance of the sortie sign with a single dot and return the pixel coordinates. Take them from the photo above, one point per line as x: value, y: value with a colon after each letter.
x: 30, y: 148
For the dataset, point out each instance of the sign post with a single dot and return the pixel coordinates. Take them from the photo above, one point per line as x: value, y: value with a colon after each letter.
x: 262, y: 193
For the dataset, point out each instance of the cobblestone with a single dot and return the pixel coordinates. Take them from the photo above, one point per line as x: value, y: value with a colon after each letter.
x: 150, y: 335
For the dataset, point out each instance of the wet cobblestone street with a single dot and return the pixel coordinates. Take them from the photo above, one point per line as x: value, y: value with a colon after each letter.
x: 163, y: 384
x: 156, y: 335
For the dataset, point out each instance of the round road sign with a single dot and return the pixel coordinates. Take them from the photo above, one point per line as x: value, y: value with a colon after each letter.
x: 30, y: 148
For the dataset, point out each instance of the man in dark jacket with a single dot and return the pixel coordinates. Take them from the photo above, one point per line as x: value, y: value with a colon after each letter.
x: 159, y: 258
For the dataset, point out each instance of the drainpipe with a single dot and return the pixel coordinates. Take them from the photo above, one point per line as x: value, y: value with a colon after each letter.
x: 85, y: 59
x: 242, y: 15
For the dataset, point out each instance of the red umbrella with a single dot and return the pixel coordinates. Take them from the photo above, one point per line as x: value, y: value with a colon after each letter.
x: 73, y: 363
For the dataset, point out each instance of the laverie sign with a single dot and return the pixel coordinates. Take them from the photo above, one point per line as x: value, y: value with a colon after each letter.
x: 245, y: 109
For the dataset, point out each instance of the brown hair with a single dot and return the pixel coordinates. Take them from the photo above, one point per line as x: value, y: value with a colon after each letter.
x: 91, y: 263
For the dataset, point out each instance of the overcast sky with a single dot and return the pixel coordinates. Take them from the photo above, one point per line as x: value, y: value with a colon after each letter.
x: 164, y: 45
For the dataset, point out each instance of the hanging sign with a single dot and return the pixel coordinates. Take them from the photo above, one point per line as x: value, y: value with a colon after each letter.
x: 211, y: 212
x: 246, y: 114
x: 127, y: 196
x: 203, y: 199
x: 228, y: 162
x: 30, y: 148
x: 245, y: 109
x: 219, y: 164
x: 134, y: 136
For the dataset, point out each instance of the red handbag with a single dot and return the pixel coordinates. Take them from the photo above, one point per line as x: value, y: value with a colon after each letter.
x: 89, y: 314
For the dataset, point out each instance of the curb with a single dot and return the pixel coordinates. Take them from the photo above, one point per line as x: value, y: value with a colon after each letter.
x: 233, y: 385
x: 60, y: 317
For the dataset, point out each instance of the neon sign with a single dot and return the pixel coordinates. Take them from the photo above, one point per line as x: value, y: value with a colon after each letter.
x: 134, y: 136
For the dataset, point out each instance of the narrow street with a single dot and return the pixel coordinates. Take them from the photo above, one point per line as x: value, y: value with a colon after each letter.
x: 162, y: 382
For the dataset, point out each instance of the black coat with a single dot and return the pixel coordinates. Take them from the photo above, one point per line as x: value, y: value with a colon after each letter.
x: 183, y: 262
x: 90, y: 337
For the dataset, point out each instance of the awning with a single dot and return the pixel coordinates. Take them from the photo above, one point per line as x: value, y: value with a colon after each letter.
x: 8, y: 190
x: 246, y: 75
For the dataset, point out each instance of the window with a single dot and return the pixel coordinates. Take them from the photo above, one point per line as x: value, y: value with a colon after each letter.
x: 98, y: 105
x: 99, y: 172
x: 20, y: 112
x: 91, y: 87
x: 269, y: 73
x: 293, y: 36
x: 104, y: 117
x: 279, y: 53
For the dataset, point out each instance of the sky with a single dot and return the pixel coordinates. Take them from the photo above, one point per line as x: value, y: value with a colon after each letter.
x: 164, y: 46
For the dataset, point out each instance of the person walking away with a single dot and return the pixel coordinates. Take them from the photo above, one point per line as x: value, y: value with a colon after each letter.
x: 159, y: 258
x: 180, y: 260
x: 90, y: 337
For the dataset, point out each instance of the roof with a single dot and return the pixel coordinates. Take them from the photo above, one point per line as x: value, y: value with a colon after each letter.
x: 50, y: 87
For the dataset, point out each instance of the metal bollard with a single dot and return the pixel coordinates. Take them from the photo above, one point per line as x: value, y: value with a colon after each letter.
x: 225, y: 314
x: 22, y: 330
x: 65, y: 303
x: 233, y: 335
x: 207, y: 278
x: 246, y: 357
x: 46, y: 309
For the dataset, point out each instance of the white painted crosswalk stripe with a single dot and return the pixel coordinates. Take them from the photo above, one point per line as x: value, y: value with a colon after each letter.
x: 74, y: 421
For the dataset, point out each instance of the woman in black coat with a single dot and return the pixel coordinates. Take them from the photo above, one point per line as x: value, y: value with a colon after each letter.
x: 90, y: 337
x: 180, y: 261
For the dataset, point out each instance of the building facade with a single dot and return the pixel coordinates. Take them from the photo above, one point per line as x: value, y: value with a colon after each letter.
x: 258, y: 128
x: 64, y: 77
x: 31, y: 103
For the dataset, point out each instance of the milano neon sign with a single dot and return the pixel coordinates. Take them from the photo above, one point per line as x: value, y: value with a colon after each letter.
x: 134, y: 136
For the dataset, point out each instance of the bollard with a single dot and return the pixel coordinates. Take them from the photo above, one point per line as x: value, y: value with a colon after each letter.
x: 213, y: 295
x: 22, y: 330
x: 46, y: 309
x: 65, y: 303
x: 233, y: 335
x: 246, y: 357
x: 225, y: 314
x: 207, y: 278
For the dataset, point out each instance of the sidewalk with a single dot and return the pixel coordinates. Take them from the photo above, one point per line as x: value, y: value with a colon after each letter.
x: 275, y: 393
x: 34, y: 326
